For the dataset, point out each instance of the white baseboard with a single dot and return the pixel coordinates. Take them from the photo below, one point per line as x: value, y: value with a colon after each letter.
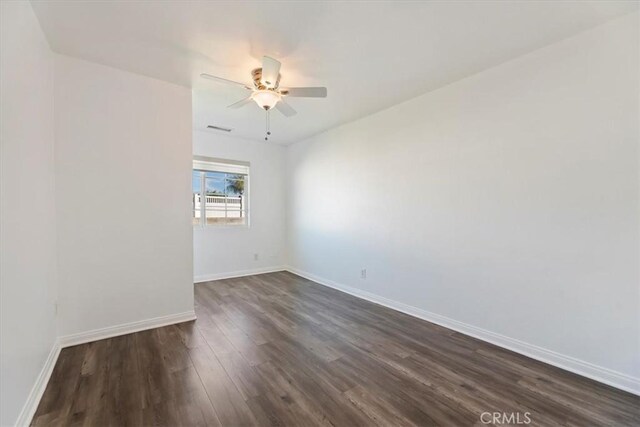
x: 31, y: 405
x: 580, y: 367
x: 33, y: 400
x: 127, y: 328
x: 240, y: 273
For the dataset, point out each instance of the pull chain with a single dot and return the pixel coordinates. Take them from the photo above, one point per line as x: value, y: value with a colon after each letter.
x: 268, y: 126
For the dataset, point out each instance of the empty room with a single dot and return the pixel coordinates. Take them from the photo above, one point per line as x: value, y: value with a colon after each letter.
x: 320, y: 213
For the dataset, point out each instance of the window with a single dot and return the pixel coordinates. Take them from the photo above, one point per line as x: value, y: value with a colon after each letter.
x: 220, y: 192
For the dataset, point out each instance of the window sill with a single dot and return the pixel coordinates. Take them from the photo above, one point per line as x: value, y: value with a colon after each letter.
x: 216, y: 227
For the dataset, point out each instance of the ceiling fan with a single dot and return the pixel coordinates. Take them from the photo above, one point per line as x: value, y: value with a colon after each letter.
x: 266, y: 90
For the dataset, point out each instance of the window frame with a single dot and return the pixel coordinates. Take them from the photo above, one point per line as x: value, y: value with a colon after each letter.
x: 227, y: 167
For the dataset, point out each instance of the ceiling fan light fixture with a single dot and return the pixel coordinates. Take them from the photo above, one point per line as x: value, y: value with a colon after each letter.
x: 266, y: 99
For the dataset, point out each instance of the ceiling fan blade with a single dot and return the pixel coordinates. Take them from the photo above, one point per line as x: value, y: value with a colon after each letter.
x: 285, y: 109
x: 221, y: 80
x: 305, y: 92
x: 270, y: 72
x: 241, y: 103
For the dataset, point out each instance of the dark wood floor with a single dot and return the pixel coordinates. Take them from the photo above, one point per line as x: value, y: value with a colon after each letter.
x: 276, y: 349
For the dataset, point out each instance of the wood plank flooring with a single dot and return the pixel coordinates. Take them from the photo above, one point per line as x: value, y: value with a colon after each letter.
x: 277, y: 349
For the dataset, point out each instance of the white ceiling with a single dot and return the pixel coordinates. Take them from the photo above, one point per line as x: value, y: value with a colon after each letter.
x: 370, y: 55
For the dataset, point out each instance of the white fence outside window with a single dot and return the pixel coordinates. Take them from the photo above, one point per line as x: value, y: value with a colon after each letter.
x: 219, y: 206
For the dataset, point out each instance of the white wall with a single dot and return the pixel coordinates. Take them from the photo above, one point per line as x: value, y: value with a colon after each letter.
x: 123, y: 176
x: 507, y: 201
x: 28, y: 262
x: 225, y: 251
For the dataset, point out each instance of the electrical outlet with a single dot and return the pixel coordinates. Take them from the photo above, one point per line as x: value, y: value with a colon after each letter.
x: 255, y: 257
x: 363, y: 273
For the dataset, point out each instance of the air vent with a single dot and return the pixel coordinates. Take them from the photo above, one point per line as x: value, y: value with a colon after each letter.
x: 218, y: 128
